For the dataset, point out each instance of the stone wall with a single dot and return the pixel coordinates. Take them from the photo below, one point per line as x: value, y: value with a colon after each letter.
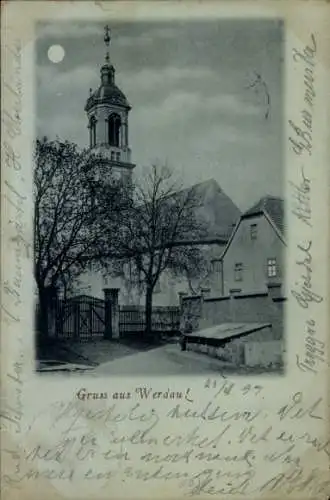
x: 246, y: 351
x: 256, y: 308
x: 191, y: 312
x: 263, y: 348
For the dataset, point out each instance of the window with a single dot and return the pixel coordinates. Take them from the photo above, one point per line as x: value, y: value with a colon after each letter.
x: 92, y: 131
x: 112, y: 155
x: 117, y: 156
x: 238, y: 271
x: 114, y: 126
x: 253, y: 231
x: 271, y: 268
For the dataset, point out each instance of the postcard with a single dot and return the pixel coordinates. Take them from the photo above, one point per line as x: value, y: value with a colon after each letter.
x: 165, y: 240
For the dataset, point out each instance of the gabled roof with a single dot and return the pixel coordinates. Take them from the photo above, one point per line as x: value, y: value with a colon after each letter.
x: 271, y: 206
x: 215, y: 210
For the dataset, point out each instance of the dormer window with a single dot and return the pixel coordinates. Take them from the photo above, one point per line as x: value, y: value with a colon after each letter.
x: 253, y: 231
x: 92, y: 131
x: 114, y: 126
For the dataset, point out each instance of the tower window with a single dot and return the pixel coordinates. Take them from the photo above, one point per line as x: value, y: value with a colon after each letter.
x: 114, y: 126
x: 92, y: 131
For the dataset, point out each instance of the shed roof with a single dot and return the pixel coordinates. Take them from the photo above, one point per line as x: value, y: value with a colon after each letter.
x: 228, y: 330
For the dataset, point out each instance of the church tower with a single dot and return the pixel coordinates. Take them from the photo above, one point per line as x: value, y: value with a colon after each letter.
x: 107, y: 111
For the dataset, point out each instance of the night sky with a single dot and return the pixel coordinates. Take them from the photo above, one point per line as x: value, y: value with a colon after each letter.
x: 189, y: 84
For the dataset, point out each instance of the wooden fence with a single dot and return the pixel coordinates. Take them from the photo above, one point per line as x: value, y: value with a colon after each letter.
x: 164, y: 320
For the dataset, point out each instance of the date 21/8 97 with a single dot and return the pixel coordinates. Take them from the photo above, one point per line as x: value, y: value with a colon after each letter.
x: 226, y: 387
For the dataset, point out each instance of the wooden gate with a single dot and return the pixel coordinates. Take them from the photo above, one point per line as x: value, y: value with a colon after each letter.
x: 81, y: 318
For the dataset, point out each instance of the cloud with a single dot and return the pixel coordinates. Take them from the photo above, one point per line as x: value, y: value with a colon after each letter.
x: 180, y: 107
x: 79, y: 29
x: 150, y: 35
x: 81, y: 78
x: 63, y: 29
x: 148, y: 78
x: 134, y: 41
x: 181, y: 127
x: 54, y: 81
x: 229, y: 104
x: 215, y: 137
x: 67, y: 127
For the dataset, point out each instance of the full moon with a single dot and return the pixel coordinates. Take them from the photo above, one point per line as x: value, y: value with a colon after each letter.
x: 56, y: 53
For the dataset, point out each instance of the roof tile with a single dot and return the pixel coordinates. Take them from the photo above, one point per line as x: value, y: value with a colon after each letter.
x: 274, y: 208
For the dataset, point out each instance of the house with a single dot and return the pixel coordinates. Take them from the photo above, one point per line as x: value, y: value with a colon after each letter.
x: 247, y: 293
x: 254, y: 255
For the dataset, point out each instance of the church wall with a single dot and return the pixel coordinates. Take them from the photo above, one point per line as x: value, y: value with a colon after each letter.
x: 166, y: 291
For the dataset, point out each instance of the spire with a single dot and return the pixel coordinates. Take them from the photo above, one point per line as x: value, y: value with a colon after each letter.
x: 107, y: 39
x: 107, y: 70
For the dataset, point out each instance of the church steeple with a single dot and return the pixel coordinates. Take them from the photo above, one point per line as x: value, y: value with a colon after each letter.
x: 107, y: 70
x: 107, y: 111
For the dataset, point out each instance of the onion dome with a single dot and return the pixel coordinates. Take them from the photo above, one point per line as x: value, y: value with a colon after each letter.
x: 108, y: 92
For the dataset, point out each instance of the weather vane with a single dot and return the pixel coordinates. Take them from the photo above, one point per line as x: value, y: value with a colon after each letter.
x: 107, y: 39
x: 107, y: 35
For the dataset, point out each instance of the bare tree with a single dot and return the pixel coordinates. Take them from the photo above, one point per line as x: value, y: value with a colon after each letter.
x: 75, y: 216
x: 159, y: 232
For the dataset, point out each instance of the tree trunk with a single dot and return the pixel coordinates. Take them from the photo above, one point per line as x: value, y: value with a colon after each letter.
x: 148, y: 313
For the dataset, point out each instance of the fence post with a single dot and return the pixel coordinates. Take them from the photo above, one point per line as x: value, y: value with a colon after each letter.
x: 76, y: 309
x: 111, y: 313
x: 107, y: 314
x: 181, y: 297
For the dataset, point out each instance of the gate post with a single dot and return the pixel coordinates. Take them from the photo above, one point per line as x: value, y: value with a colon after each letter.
x: 107, y: 314
x: 115, y: 312
x: 111, y: 313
